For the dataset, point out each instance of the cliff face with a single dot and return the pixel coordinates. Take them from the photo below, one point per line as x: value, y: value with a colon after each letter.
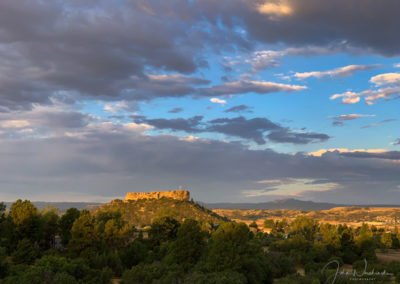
x: 176, y: 194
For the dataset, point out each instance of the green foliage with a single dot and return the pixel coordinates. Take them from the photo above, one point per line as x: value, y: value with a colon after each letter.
x: 365, y: 235
x: 65, y: 224
x: 85, y: 237
x: 49, y: 228
x: 135, y: 253
x: 386, y: 240
x: 25, y: 253
x: 189, y: 244
x: 103, y: 244
x: 269, y: 223
x: 163, y: 230
x: 305, y: 227
x: 25, y: 219
x: 142, y: 273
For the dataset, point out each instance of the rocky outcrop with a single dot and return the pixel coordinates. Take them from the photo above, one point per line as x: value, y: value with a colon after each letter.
x: 175, y: 194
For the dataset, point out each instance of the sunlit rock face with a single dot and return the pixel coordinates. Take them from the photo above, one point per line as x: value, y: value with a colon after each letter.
x: 175, y: 194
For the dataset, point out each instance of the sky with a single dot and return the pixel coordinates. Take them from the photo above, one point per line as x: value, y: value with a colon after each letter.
x: 236, y: 100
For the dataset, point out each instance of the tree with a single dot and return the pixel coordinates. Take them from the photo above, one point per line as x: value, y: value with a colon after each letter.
x: 25, y: 217
x: 189, y: 244
x: 65, y: 224
x: 49, y: 227
x: 25, y: 252
x: 386, y: 240
x: 228, y: 244
x: 365, y: 235
x: 163, y: 229
x: 269, y: 223
x: 330, y: 235
x: 305, y: 227
x: 232, y: 249
x: 115, y: 236
x: 84, y: 235
x: 253, y: 225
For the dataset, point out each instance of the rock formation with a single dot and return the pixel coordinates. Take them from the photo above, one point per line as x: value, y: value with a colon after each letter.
x: 174, y: 194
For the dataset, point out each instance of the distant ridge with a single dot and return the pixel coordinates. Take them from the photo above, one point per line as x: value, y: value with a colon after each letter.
x: 63, y: 206
x: 290, y: 204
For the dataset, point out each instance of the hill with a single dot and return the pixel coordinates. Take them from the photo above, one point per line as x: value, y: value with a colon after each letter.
x: 142, y: 212
x: 291, y: 204
x: 354, y: 216
x: 288, y: 203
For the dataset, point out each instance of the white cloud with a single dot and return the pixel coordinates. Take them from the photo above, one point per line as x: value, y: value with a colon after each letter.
x: 217, y: 101
x: 291, y: 187
x: 385, y: 79
x: 337, y: 72
x: 120, y: 107
x: 137, y: 127
x: 14, y: 123
x: 352, y: 116
x: 110, y: 108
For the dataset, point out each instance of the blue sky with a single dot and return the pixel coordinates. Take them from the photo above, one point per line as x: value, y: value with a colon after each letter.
x: 237, y: 101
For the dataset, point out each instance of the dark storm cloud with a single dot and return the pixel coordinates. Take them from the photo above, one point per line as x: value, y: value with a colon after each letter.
x: 366, y: 24
x: 94, y: 50
x: 252, y: 129
x: 240, y: 108
x: 396, y: 142
x: 390, y: 155
x: 106, y: 49
x: 211, y: 169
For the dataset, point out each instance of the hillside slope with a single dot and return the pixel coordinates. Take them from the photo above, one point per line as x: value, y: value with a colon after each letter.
x: 142, y: 212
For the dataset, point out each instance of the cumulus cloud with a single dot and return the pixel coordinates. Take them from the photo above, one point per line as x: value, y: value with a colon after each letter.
x: 386, y: 86
x: 218, y: 101
x: 338, y: 72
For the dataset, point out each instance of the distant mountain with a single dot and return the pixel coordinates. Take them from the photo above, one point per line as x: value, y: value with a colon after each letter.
x: 62, y: 206
x: 290, y: 204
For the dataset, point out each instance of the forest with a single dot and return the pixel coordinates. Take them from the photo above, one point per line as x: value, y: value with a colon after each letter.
x: 81, y: 246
